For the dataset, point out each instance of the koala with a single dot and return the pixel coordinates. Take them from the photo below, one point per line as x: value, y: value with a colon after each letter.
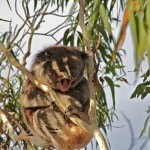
x: 61, y: 68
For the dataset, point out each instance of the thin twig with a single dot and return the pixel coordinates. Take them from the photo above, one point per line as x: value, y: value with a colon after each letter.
x: 4, y: 20
x: 4, y: 115
x: 98, y: 43
x: 29, y: 48
x: 12, y: 118
x: 12, y: 41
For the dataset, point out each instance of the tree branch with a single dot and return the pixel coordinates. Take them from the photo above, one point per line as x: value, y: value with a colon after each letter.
x: 3, y: 117
x: 90, y: 71
x: 92, y: 112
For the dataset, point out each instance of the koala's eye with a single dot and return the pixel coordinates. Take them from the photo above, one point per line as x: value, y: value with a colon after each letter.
x: 53, y: 74
x: 62, y: 70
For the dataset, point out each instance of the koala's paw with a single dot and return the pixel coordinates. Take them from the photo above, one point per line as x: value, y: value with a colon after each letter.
x: 74, y: 110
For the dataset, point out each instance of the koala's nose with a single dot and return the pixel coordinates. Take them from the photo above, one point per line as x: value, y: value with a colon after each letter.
x: 65, y: 81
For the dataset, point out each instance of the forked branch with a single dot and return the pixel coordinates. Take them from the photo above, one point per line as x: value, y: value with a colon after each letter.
x: 90, y: 69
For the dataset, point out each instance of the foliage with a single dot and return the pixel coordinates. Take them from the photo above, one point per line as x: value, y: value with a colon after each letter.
x: 146, y: 124
x: 137, y: 15
x: 108, y: 65
x: 144, y: 88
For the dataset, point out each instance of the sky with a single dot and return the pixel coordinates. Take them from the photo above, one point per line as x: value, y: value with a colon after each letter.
x: 134, y: 109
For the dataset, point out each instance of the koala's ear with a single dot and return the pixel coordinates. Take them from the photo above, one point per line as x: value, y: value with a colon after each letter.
x: 84, y: 56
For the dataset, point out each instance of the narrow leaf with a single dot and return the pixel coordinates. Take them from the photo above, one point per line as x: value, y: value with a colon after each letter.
x: 148, y: 13
x: 142, y: 38
x: 111, y: 85
x: 140, y: 89
x: 93, y: 17
x: 65, y: 41
x: 145, y: 125
x: 133, y: 27
x: 104, y: 18
x: 146, y: 75
x: 149, y: 133
x: 122, y: 34
x: 35, y: 4
x: 4, y: 37
x: 112, y: 5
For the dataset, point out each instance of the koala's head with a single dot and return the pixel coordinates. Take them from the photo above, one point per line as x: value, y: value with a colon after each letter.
x: 59, y: 67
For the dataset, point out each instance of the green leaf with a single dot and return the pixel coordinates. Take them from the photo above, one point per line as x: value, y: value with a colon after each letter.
x: 145, y: 126
x: 112, y: 5
x: 117, y: 85
x: 148, y: 13
x: 35, y: 4
x: 122, y: 3
x: 149, y: 133
x: 133, y: 27
x: 146, y: 75
x: 79, y: 38
x: 103, y: 32
x: 142, y: 42
x: 104, y: 18
x: 71, y: 39
x: 118, y: 66
x: 148, y: 26
x: 144, y: 94
x: 4, y: 37
x: 93, y: 17
x: 65, y: 38
x: 140, y: 89
x: 111, y: 85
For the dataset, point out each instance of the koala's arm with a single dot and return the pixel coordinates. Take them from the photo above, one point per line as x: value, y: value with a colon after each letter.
x: 80, y: 91
x: 32, y: 96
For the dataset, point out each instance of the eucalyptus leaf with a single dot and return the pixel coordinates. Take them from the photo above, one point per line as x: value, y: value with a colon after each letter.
x: 104, y: 18
x: 112, y: 87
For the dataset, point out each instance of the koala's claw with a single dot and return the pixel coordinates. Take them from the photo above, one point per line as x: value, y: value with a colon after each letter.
x: 71, y: 110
